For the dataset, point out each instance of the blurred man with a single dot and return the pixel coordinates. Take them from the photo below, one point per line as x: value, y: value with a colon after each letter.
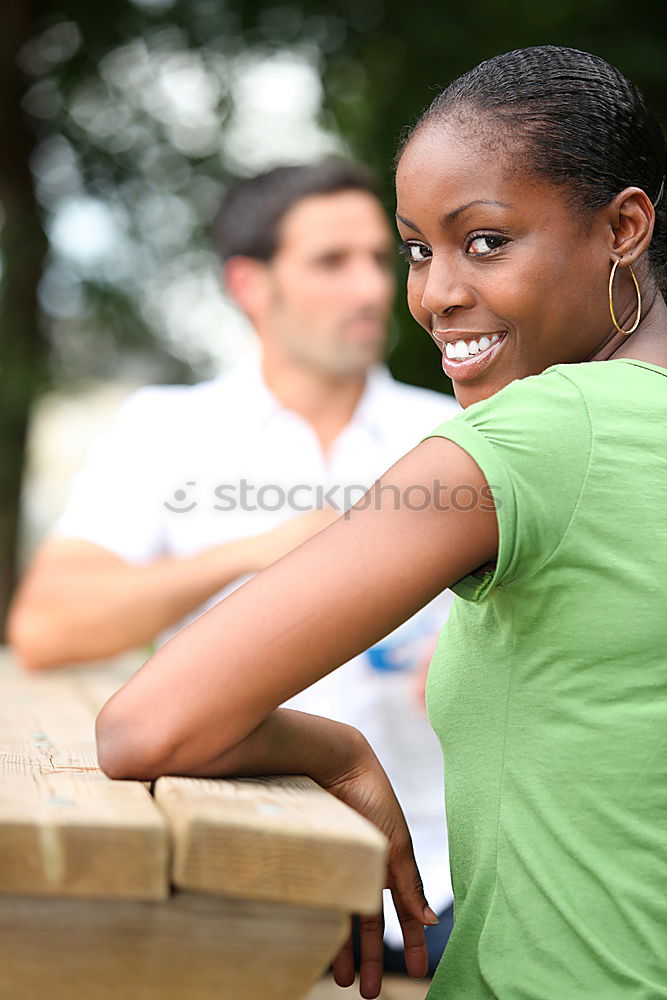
x: 196, y: 488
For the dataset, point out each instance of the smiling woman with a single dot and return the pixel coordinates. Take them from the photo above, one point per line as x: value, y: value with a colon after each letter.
x: 510, y: 183
x: 527, y: 199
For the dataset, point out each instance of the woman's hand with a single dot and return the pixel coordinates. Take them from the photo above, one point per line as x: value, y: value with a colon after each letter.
x: 364, y: 786
x: 341, y: 760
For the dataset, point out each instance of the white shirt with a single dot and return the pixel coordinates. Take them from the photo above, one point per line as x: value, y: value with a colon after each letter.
x: 184, y: 468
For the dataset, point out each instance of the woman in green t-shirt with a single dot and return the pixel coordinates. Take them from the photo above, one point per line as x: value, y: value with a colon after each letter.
x: 530, y: 202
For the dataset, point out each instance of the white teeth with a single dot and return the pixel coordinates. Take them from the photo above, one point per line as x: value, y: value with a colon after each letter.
x: 461, y: 349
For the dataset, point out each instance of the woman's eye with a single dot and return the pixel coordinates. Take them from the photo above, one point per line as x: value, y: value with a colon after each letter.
x: 414, y: 253
x: 480, y: 246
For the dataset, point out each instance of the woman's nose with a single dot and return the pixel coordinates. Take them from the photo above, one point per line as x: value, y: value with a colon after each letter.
x: 444, y: 290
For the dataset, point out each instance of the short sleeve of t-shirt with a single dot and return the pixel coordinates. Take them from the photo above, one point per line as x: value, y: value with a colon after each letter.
x: 532, y: 441
x: 115, y: 500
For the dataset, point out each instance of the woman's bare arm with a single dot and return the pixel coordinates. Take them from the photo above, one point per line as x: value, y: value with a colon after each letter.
x: 214, y: 683
x: 205, y: 704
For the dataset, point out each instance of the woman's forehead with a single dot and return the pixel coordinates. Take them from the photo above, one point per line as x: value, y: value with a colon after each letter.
x: 462, y: 140
x: 454, y: 165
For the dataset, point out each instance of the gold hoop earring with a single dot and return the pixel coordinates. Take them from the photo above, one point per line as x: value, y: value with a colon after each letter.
x: 626, y: 333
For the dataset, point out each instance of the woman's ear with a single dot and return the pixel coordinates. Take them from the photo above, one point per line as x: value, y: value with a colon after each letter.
x: 632, y: 218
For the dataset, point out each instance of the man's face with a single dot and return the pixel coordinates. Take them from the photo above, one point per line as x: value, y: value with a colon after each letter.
x: 331, y: 284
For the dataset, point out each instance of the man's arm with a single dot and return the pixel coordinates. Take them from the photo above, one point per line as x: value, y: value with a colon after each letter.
x: 80, y: 601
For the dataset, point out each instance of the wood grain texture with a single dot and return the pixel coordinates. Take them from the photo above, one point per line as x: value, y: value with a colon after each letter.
x: 275, y: 838
x: 393, y: 988
x: 93, y: 683
x: 191, y: 948
x: 85, y: 911
x: 97, y: 682
x: 65, y: 828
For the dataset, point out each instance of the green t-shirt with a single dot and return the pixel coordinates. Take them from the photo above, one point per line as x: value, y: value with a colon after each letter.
x: 548, y: 690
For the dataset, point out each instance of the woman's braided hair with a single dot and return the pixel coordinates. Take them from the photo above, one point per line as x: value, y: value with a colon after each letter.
x: 581, y: 124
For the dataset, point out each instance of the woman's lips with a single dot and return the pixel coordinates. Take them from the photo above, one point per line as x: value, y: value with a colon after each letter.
x: 459, y: 370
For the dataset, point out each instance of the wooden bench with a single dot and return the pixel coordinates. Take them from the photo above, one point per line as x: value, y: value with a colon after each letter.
x: 191, y: 890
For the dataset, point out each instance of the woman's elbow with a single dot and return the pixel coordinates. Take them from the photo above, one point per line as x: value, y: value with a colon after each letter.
x: 123, y: 751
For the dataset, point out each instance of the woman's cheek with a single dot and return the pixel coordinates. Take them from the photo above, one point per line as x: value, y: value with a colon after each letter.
x: 415, y: 294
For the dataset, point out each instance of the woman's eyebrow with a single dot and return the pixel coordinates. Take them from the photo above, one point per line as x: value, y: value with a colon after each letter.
x: 406, y: 222
x: 450, y: 216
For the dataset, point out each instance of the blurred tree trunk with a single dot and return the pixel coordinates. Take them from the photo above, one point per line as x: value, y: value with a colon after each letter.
x: 23, y: 246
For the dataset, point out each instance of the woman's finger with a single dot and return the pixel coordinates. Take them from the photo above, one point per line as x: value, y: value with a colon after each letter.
x: 405, y: 880
x: 343, y: 964
x: 414, y: 941
x: 371, y: 934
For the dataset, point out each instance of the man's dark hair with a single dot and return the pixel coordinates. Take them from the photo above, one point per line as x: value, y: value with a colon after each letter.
x: 579, y: 123
x: 249, y: 218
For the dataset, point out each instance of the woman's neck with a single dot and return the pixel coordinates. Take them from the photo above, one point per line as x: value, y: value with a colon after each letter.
x: 647, y: 343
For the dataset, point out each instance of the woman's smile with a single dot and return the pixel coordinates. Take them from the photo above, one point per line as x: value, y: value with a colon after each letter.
x: 465, y: 355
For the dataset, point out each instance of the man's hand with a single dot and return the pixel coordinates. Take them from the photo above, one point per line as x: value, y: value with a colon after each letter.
x: 269, y: 546
x: 365, y: 787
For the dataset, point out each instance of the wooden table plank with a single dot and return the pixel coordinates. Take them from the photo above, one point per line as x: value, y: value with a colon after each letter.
x: 65, y: 828
x: 78, y: 692
x: 276, y: 838
x: 277, y: 865
x: 194, y: 947
x: 393, y: 988
x: 80, y: 835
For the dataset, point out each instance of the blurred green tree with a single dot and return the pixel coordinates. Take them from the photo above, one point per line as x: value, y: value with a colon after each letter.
x: 129, y: 111
x: 22, y: 346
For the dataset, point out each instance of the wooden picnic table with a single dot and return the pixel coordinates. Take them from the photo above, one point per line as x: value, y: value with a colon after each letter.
x: 189, y: 889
